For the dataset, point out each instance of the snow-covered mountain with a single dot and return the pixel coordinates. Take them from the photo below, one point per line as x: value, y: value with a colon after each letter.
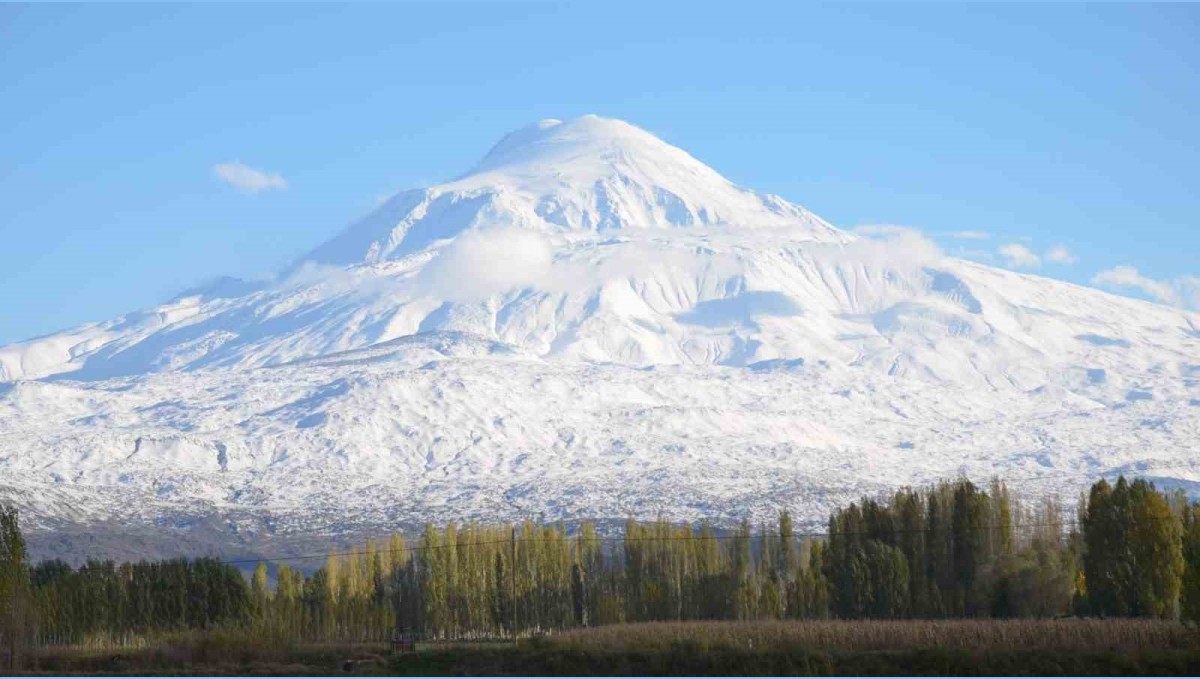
x: 590, y: 323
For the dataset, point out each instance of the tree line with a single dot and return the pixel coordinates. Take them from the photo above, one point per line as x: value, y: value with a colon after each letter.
x: 951, y: 550
x: 957, y: 550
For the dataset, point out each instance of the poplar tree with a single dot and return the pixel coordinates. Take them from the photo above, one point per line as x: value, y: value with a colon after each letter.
x: 1190, y: 589
x: 969, y: 533
x: 743, y: 597
x: 14, y: 587
x: 259, y: 591
x: 1158, y: 552
x: 1133, y: 563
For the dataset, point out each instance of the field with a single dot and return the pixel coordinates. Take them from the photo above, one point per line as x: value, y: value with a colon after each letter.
x: 950, y: 647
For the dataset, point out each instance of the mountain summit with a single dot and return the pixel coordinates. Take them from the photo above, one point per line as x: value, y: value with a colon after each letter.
x: 590, y: 174
x: 590, y: 323
x: 552, y: 147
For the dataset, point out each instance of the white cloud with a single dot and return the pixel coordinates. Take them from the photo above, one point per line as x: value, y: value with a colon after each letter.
x: 974, y: 254
x: 890, y: 246
x: 1019, y: 257
x: 971, y: 235
x: 247, y: 179
x: 875, y: 230
x: 479, y: 264
x: 1059, y: 254
x: 1183, y: 291
x: 1128, y: 277
x: 1188, y: 292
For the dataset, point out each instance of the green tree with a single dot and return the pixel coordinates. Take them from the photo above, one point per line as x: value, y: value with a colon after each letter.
x: 887, y: 580
x: 15, y: 624
x: 1133, y: 559
x: 742, y: 564
x: 1158, y: 552
x: 969, y: 539
x: 1190, y: 594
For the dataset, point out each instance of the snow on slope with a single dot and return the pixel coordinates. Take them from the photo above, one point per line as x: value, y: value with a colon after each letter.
x: 591, y: 323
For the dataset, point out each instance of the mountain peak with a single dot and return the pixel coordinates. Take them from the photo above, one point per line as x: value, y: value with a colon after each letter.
x: 590, y: 137
x: 585, y: 175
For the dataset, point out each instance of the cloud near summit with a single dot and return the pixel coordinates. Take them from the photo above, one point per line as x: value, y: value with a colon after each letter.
x: 1183, y: 291
x: 1018, y: 256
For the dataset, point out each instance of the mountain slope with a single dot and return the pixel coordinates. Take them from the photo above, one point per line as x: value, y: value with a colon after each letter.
x: 675, y: 344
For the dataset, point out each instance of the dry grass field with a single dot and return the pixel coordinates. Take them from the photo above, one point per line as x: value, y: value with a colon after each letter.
x: 767, y: 648
x: 890, y: 635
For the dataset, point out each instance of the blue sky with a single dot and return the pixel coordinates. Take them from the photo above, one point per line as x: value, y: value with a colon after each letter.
x: 1039, y: 126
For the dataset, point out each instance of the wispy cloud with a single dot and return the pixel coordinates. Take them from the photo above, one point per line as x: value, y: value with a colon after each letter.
x: 889, y: 246
x: 470, y: 268
x: 970, y: 235
x: 480, y: 264
x: 1018, y: 256
x: 882, y: 230
x: 1183, y: 291
x: 247, y: 179
x: 974, y: 254
x: 1059, y: 254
